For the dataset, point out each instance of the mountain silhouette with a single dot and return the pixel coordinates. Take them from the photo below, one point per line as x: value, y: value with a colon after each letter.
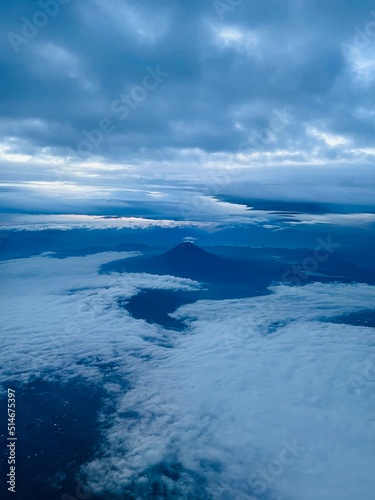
x: 187, y: 260
x: 186, y: 248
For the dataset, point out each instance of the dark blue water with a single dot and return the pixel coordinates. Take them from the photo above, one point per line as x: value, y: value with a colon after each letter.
x: 154, y: 306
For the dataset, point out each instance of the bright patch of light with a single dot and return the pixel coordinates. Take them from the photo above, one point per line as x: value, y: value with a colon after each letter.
x: 7, y: 155
x: 233, y: 37
x: 156, y: 194
x: 74, y: 221
x: 349, y: 220
x: 362, y: 65
x: 367, y: 151
x: 329, y: 139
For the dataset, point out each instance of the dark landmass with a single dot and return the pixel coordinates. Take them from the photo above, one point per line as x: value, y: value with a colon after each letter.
x: 236, y: 273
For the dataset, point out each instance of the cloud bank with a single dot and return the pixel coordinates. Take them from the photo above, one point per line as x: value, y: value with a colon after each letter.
x: 260, y: 398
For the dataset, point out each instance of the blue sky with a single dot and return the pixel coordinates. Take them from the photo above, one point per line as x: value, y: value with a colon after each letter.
x: 107, y: 101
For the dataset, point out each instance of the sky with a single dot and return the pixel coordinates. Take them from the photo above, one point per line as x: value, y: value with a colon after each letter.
x: 109, y: 101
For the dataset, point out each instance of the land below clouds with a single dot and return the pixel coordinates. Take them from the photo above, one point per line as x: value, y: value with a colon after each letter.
x: 234, y: 274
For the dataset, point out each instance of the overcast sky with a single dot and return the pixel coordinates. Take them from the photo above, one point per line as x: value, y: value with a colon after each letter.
x: 103, y: 98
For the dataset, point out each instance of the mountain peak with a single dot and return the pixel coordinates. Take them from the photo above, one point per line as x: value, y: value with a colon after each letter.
x: 187, y: 249
x: 187, y: 245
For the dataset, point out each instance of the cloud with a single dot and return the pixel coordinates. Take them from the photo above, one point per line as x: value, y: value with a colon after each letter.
x: 227, y: 76
x: 221, y: 409
x: 230, y: 401
x: 70, y: 286
x: 67, y: 222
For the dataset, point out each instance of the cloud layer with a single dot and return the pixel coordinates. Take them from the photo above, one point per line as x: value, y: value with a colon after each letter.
x: 109, y: 92
x: 261, y: 398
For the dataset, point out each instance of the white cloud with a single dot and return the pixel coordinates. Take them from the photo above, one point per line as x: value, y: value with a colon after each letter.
x: 330, y: 139
x: 362, y: 66
x: 72, y: 221
x: 250, y: 375
x: 348, y: 220
x: 253, y: 374
x: 232, y: 37
x: 8, y: 155
x: 66, y: 307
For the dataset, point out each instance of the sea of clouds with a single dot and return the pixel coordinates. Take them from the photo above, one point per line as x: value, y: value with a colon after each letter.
x: 260, y: 398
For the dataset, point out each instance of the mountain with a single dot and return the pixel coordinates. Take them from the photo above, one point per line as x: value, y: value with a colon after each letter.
x: 187, y: 260
x: 186, y: 248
